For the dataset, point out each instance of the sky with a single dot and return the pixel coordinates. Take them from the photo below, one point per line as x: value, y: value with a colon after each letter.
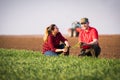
x: 27, y: 17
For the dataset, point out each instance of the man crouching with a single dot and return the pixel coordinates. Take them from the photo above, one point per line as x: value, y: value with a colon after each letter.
x: 88, y: 38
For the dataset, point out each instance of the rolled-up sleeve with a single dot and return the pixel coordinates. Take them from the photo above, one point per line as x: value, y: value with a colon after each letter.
x: 78, y: 29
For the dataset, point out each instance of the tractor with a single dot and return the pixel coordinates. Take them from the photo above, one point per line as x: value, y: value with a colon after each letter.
x: 72, y: 31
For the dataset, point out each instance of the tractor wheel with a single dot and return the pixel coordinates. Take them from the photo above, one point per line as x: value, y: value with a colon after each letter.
x: 74, y: 34
x: 70, y: 33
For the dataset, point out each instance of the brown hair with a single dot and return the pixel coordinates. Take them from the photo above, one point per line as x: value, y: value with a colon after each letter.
x: 48, y: 30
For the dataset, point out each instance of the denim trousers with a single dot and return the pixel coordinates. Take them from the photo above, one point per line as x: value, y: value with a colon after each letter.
x: 51, y: 53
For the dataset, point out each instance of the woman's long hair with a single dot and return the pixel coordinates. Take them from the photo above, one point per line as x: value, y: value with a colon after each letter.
x: 48, y: 31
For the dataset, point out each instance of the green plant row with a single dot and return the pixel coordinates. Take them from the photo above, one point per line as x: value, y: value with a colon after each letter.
x: 32, y: 65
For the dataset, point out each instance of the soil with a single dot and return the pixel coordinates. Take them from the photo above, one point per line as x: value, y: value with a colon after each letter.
x: 109, y: 44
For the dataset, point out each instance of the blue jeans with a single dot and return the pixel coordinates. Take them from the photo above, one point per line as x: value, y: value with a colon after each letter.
x: 51, y: 53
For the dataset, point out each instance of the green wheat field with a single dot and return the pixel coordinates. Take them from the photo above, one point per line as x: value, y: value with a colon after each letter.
x: 32, y: 65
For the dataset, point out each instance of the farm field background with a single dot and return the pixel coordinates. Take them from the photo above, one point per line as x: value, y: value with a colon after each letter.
x: 110, y: 44
x: 21, y: 59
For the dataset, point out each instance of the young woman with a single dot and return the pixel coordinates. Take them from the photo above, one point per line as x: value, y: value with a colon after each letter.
x: 52, y: 39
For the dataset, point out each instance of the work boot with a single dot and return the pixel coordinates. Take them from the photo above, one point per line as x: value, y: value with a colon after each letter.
x: 82, y: 53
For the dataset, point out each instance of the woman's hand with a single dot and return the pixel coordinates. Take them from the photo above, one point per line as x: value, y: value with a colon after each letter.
x: 64, y: 50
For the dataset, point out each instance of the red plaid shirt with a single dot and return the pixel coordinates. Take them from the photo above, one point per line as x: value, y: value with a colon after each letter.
x: 53, y: 42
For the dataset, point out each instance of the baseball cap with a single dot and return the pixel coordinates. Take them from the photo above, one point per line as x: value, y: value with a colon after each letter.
x: 84, y: 20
